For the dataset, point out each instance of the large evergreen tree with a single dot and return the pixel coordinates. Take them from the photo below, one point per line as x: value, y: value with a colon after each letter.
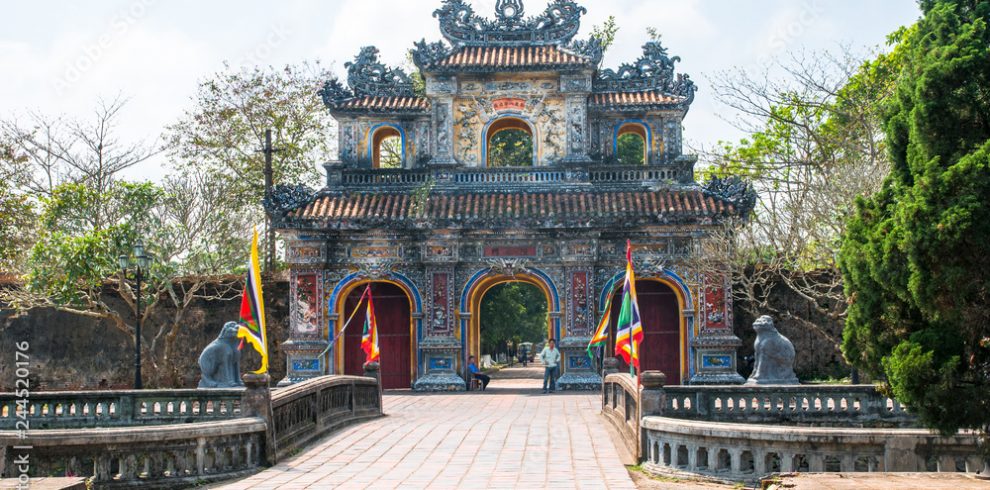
x: 915, y: 258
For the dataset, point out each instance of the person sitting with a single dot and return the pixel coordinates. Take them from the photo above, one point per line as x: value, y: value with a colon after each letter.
x: 476, y: 373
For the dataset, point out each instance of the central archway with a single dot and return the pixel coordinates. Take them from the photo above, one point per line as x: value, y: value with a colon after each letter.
x: 509, y: 142
x: 481, y: 283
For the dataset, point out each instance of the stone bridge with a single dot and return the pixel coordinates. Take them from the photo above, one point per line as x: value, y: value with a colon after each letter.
x: 509, y: 436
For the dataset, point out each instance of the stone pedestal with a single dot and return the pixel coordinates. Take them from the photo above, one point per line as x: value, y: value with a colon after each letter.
x: 652, y: 397
x: 715, y: 359
x: 374, y: 370
x: 303, y: 361
x: 610, y: 365
x: 579, y: 373
x: 257, y: 402
x: 439, y: 365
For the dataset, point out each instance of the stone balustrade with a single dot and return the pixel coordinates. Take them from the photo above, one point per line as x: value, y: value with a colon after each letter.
x: 160, y: 456
x: 742, y: 433
x: 311, y: 409
x: 747, y: 452
x: 178, y: 438
x: 819, y: 405
x: 600, y: 175
x: 79, y: 409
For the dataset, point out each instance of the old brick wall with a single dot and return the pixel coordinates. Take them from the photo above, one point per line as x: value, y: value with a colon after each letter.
x: 69, y: 351
x: 817, y: 347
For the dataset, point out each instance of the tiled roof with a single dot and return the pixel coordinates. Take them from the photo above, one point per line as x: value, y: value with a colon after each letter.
x: 391, y: 104
x: 647, y: 98
x: 511, y: 57
x: 563, y: 208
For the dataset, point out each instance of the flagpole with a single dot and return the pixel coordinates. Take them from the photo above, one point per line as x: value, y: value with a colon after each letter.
x: 357, y: 308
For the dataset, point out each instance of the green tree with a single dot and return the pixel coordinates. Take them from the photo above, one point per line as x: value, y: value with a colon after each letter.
x: 605, y: 32
x: 512, y: 312
x: 631, y: 149
x: 510, y: 148
x: 814, y: 144
x: 17, y: 213
x: 222, y: 133
x: 914, y: 258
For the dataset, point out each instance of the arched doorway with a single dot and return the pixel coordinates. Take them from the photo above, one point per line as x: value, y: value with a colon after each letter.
x: 509, y: 142
x: 510, y: 314
x: 481, y: 283
x: 631, y: 146
x: 387, y: 147
x: 660, y: 312
x: 393, y: 315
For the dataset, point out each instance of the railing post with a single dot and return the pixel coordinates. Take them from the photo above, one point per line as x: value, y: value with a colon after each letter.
x: 373, y: 370
x: 610, y: 365
x: 257, y: 402
x: 653, y: 398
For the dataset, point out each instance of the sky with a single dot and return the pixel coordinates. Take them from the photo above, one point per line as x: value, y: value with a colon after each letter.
x: 61, y: 57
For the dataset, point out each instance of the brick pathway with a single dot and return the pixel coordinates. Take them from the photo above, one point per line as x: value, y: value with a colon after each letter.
x: 510, y: 436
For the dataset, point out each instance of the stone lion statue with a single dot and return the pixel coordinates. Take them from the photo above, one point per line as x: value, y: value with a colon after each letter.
x: 774, y: 356
x: 220, y: 361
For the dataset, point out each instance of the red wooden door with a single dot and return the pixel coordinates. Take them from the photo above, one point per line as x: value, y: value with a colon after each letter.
x: 660, y: 315
x: 392, y: 313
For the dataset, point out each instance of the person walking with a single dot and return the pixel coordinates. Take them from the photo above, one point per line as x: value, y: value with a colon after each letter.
x: 550, y: 357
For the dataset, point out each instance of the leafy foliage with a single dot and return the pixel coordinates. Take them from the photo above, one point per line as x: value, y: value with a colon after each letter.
x: 510, y: 148
x: 915, y: 257
x: 17, y: 213
x: 512, y: 312
x: 221, y: 135
x: 814, y: 145
x: 605, y: 32
x: 631, y: 149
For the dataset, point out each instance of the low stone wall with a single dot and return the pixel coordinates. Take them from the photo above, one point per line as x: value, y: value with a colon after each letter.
x: 810, y: 405
x: 306, y: 411
x: 741, y: 433
x: 81, y: 409
x: 620, y: 405
x: 162, y: 456
x: 176, y: 438
x: 745, y: 452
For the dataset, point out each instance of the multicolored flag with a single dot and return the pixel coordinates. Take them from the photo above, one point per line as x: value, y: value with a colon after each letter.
x: 369, y: 339
x: 600, y: 338
x: 629, y: 328
x: 252, y: 319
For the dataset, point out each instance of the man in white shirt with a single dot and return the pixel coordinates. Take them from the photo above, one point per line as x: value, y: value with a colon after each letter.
x: 550, y: 357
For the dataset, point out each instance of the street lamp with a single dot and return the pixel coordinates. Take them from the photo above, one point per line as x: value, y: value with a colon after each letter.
x: 140, y: 264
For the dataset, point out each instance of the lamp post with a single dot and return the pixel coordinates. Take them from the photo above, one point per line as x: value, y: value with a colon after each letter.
x: 140, y: 262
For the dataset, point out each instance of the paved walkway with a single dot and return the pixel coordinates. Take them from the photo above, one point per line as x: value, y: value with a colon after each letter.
x: 510, y: 436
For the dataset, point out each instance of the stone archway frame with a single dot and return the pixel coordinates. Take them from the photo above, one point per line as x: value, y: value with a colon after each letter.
x: 685, y: 303
x: 336, y: 317
x: 479, y: 284
x: 647, y: 137
x: 386, y: 126
x: 533, y: 131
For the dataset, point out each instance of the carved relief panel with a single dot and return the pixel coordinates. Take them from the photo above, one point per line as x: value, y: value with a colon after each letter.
x: 306, y: 306
x: 580, y: 299
x: 441, y: 314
